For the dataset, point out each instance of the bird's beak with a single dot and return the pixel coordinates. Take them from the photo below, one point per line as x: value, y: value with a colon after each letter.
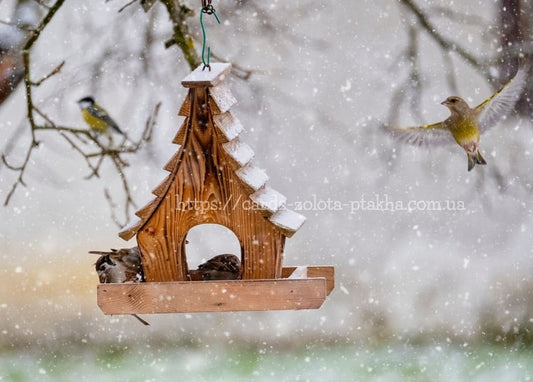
x: 445, y: 103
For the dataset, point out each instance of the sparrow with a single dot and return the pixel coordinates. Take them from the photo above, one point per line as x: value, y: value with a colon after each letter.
x: 221, y: 267
x: 465, y: 124
x: 120, y: 266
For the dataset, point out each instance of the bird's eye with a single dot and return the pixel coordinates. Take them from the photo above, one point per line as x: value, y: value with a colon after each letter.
x: 453, y: 100
x: 105, y: 262
x: 109, y: 261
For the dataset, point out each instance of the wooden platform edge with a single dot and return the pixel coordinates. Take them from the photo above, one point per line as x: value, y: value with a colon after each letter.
x: 326, y: 271
x: 213, y: 296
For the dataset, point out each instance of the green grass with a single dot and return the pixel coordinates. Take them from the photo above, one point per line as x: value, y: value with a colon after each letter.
x: 403, y: 363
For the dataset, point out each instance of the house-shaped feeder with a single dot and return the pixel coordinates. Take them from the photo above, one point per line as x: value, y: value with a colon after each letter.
x: 212, y: 180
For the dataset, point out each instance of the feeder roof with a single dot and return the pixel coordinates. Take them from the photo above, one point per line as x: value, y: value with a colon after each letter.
x: 269, y: 201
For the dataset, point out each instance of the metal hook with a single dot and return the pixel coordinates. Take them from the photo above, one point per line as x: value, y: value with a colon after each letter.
x: 207, y: 8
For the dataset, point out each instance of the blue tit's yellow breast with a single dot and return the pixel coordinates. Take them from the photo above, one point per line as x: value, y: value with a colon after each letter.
x: 94, y: 123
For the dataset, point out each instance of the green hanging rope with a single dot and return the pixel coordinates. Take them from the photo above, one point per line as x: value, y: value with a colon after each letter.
x: 210, y: 10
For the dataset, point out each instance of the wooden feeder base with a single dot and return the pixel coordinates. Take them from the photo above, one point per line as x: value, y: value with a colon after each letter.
x: 299, y: 288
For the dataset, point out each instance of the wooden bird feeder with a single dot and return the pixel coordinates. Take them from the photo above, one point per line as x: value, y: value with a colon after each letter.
x: 212, y: 180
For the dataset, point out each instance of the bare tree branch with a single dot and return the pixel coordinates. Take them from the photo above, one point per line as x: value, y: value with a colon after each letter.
x: 52, y: 73
x: 444, y: 42
x: 237, y: 70
x: 77, y: 138
x: 412, y: 85
x: 127, y: 5
x: 178, y: 14
x: 34, y: 35
x: 112, y: 207
x: 458, y: 17
x: 90, y: 147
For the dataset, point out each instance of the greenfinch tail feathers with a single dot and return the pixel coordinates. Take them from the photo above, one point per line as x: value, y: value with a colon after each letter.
x: 475, y: 158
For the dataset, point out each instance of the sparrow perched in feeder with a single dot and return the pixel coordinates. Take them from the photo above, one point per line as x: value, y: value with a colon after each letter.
x: 120, y: 266
x: 221, y: 267
x: 97, y: 118
x: 465, y: 124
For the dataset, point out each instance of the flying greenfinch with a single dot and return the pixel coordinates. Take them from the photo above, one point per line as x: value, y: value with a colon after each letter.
x: 465, y: 124
x: 96, y: 117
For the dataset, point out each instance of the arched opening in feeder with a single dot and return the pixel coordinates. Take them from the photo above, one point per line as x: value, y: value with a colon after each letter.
x: 205, y: 241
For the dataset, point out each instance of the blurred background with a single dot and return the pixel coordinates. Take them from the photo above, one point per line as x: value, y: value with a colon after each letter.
x: 423, y: 293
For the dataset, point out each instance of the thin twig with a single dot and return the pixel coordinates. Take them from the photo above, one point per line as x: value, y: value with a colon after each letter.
x: 9, y: 166
x: 150, y: 124
x: 127, y: 5
x: 432, y: 30
x: 452, y: 81
x: 112, y: 206
x: 52, y: 73
x: 34, y: 35
x: 237, y: 70
x: 79, y: 150
x: 130, y: 203
x: 21, y: 169
x: 412, y: 85
x: 66, y: 129
x: 461, y: 18
x: 115, y: 157
x: 78, y: 138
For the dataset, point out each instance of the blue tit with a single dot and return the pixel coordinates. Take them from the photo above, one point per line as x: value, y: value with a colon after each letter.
x: 96, y: 117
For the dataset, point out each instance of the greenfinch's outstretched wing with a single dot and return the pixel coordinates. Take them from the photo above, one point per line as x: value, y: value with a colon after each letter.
x: 502, y: 102
x: 426, y: 135
x: 100, y: 113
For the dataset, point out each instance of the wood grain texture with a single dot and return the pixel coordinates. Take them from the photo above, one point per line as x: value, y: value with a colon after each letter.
x: 162, y: 188
x: 211, y: 296
x: 326, y: 271
x: 211, y: 151
x: 185, y: 108
x: 209, y: 184
x: 211, y: 180
x: 131, y: 229
x: 179, y: 138
x: 204, y: 188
